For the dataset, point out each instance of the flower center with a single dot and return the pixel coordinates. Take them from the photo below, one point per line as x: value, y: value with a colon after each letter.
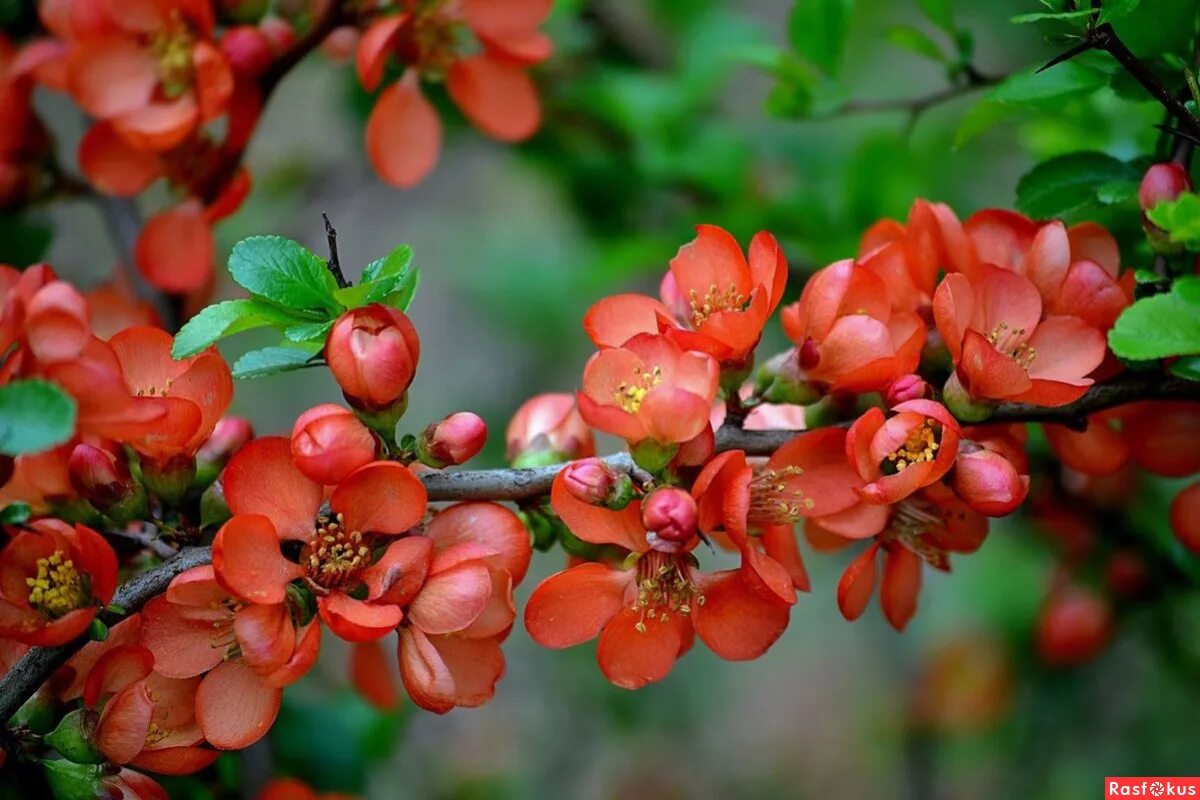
x: 773, y: 501
x: 222, y: 636
x: 1011, y: 342
x: 154, y: 391
x: 921, y: 445
x: 337, y: 555
x: 911, y: 520
x: 155, y: 734
x: 58, y: 588
x: 715, y: 300
x: 172, y: 46
x: 665, y: 587
x: 629, y: 396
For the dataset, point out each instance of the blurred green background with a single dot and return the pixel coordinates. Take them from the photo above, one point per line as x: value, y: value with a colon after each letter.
x: 660, y: 115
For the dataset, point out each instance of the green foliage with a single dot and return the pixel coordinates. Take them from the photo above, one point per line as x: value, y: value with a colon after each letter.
x: 906, y: 37
x: 1180, y: 218
x: 293, y: 291
x: 818, y: 29
x: 23, y: 240
x: 15, y: 514
x: 1076, y: 182
x: 34, y: 416
x: 70, y: 781
x: 939, y: 12
x: 1160, y: 326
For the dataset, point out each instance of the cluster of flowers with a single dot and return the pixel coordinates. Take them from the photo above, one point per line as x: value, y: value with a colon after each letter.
x: 328, y: 528
x: 995, y: 310
x: 174, y: 89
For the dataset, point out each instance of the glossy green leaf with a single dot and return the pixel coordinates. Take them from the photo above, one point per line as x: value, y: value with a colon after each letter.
x: 1160, y: 326
x: 225, y: 319
x: 1180, y: 218
x: 1062, y: 185
x: 283, y: 272
x: 34, y: 416
x: 1188, y: 368
x: 271, y: 361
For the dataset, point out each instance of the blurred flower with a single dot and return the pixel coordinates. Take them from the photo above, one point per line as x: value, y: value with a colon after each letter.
x: 966, y: 684
x: 1185, y: 517
x: 548, y: 428
x: 1074, y: 625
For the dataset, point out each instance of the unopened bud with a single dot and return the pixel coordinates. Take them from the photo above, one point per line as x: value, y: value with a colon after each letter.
x: 329, y: 442
x: 781, y: 380
x: 671, y: 514
x: 1163, y: 182
x: 248, y: 50
x: 104, y: 480
x: 74, y: 738
x: 453, y: 440
x: 594, y: 482
x: 987, y: 481
x: 373, y: 352
x: 169, y: 478
x: 907, y: 387
x: 1074, y: 625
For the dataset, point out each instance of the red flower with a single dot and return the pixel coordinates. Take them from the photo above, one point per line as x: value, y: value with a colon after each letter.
x: 847, y: 335
x: 1164, y: 438
x: 175, y: 248
x: 908, y: 258
x: 714, y: 300
x: 246, y: 653
x: 649, y: 388
x: 490, y: 87
x: 54, y: 578
x: 154, y: 73
x: 548, y: 429
x: 272, y: 502
x: 113, y: 309
x: 1002, y: 347
x: 145, y: 719
x: 1185, y: 517
x: 1074, y: 625
x: 647, y: 613
x: 372, y: 352
x: 329, y: 442
x: 898, y: 455
x: 925, y: 527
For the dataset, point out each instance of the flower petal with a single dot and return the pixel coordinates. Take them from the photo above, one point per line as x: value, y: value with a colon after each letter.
x: 383, y: 497
x: 261, y: 479
x: 571, y: 607
x: 247, y: 560
x: 403, y: 134
x: 233, y: 706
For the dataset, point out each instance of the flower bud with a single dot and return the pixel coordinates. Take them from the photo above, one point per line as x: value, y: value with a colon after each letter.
x: 671, y: 514
x: 104, y: 480
x: 1163, y: 182
x: 453, y: 440
x: 169, y: 478
x: 594, y: 482
x: 907, y: 387
x: 548, y: 429
x: 372, y: 353
x: 987, y: 481
x: 248, y: 50
x: 329, y: 442
x: 960, y: 403
x: 1074, y: 625
x: 75, y: 735
x: 279, y: 31
x: 781, y: 380
x: 1185, y: 517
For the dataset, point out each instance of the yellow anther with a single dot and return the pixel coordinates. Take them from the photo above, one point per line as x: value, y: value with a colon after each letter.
x: 629, y: 396
x: 714, y: 301
x: 921, y: 445
x: 58, y: 588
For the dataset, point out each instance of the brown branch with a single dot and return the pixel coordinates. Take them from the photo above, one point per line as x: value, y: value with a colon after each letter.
x: 1105, y: 38
x: 333, y: 263
x: 915, y: 106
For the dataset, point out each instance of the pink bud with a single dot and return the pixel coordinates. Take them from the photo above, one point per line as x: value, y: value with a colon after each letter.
x: 907, y: 387
x: 372, y: 352
x: 590, y: 480
x: 100, y: 477
x: 671, y: 513
x: 1163, y: 182
x: 226, y: 439
x: 248, y: 50
x: 279, y: 31
x: 988, y: 482
x: 454, y: 440
x: 329, y: 442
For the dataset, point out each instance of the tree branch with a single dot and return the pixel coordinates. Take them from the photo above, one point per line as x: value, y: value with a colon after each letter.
x: 526, y: 484
x: 334, y: 264
x: 1105, y: 38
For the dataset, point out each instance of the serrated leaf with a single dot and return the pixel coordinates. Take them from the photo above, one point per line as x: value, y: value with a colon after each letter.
x: 939, y: 12
x: 225, y: 319
x: 308, y: 331
x: 271, y: 361
x: 1180, y: 218
x: 402, y: 297
x: 818, y: 29
x: 1161, y: 326
x: 284, y: 272
x: 916, y: 41
x: 34, y: 416
x: 15, y: 514
x: 1064, y: 184
x: 396, y: 262
x: 1187, y: 368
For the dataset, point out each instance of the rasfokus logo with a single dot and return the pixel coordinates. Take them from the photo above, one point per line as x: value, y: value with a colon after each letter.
x: 1151, y: 787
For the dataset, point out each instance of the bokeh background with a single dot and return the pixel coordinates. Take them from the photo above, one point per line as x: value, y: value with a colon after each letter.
x: 659, y: 115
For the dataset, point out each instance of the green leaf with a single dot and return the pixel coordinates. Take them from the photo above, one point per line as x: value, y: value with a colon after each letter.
x: 1064, y: 184
x: 34, y: 416
x: 283, y: 272
x: 309, y: 331
x: 1180, y: 218
x: 272, y: 360
x: 1189, y: 288
x: 1058, y: 16
x: 818, y: 30
x: 15, y: 514
x: 392, y: 273
x: 1046, y: 90
x: 916, y: 41
x: 70, y: 781
x: 402, y: 295
x: 1187, y: 368
x: 983, y: 115
x: 396, y: 262
x: 939, y: 12
x: 1116, y: 9
x: 225, y: 319
x: 1160, y: 326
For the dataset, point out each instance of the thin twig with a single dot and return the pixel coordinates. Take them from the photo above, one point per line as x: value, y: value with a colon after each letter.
x: 1106, y: 39
x: 335, y: 266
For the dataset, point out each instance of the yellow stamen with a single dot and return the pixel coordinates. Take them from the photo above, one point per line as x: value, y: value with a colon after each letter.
x: 715, y: 300
x: 58, y: 588
x: 921, y: 445
x: 629, y: 396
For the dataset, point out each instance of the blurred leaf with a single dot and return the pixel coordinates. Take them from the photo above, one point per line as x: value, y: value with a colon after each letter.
x: 284, y: 272
x: 34, y: 416
x: 983, y: 115
x: 15, y: 513
x: 1158, y: 29
x: 939, y: 12
x: 1058, y: 16
x: 22, y: 240
x: 916, y: 41
x: 270, y: 361
x: 1115, y: 9
x: 1161, y: 326
x: 225, y: 319
x: 818, y: 30
x: 1064, y: 184
x: 1187, y: 368
x: 1180, y: 218
x: 1046, y: 90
